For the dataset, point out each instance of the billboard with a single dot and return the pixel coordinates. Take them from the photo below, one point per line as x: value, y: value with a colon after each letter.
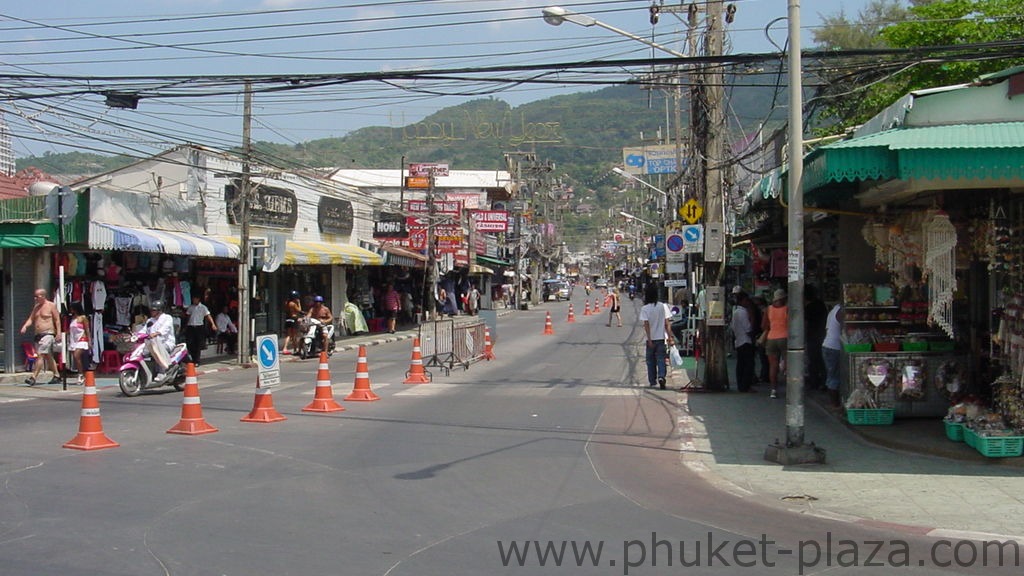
x: 654, y: 159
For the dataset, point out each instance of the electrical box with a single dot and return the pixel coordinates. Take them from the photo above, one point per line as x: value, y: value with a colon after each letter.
x: 714, y: 242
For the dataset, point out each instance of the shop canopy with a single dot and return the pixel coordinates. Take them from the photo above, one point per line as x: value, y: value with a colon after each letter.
x: 23, y: 241
x: 305, y: 252
x: 394, y: 255
x: 490, y: 260
x: 104, y: 236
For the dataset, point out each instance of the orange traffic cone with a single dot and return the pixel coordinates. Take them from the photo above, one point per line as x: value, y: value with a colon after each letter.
x: 488, y: 346
x: 323, y: 398
x: 90, y: 426
x: 547, y: 324
x: 586, y: 307
x: 572, y: 317
x: 263, y: 410
x: 192, y: 421
x: 361, y: 391
x: 597, y: 305
x: 416, y: 373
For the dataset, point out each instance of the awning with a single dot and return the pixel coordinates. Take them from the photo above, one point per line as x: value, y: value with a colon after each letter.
x: 394, y: 255
x: 22, y: 241
x: 104, y: 236
x: 491, y: 260
x: 478, y: 269
x: 302, y: 252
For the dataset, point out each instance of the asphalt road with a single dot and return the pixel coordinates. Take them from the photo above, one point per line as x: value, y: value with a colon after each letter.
x: 551, y: 459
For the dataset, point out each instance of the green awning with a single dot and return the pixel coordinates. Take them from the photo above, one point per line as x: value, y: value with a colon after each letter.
x: 22, y: 241
x: 490, y: 260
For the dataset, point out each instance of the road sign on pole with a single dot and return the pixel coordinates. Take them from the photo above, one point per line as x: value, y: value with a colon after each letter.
x: 691, y: 211
x: 269, y: 360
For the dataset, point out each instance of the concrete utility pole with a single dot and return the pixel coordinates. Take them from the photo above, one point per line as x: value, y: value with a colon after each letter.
x: 795, y: 451
x: 244, y: 294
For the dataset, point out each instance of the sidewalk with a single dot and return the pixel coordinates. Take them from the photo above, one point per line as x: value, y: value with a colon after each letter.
x: 907, y: 476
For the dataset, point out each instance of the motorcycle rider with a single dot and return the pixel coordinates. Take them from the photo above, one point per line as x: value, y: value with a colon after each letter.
x: 322, y: 313
x: 160, y: 328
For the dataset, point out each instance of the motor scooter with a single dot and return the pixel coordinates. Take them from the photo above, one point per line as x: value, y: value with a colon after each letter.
x: 138, y: 372
x: 632, y: 291
x: 312, y: 337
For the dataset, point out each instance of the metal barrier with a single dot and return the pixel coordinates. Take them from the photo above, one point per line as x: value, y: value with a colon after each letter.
x: 445, y: 343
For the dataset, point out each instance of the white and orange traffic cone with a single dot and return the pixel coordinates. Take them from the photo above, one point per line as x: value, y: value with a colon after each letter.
x: 488, y: 346
x: 323, y: 396
x: 263, y: 410
x: 572, y: 316
x: 416, y: 373
x: 90, y: 425
x: 597, y: 306
x: 586, y: 307
x: 192, y: 421
x: 361, y: 390
x: 548, y: 329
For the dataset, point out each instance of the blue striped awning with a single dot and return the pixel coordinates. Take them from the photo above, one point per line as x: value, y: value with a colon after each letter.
x: 104, y: 236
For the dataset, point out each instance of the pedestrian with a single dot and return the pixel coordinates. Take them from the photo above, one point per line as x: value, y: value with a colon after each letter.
x: 654, y: 316
x: 199, y: 319
x: 227, y: 332
x: 78, y: 340
x: 45, y: 322
x: 473, y: 300
x: 775, y: 333
x: 757, y: 311
x: 815, y: 314
x: 392, y: 306
x: 831, y: 353
x: 292, y: 313
x: 741, y: 328
x: 613, y: 311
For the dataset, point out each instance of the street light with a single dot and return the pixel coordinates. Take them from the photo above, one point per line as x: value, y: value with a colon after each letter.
x: 555, y: 15
x: 629, y: 176
x: 631, y: 217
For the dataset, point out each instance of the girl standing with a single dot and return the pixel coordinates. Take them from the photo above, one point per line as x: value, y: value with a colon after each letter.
x: 78, y: 339
x: 613, y: 311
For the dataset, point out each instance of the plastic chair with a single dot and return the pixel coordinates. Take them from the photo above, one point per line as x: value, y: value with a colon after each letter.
x: 30, y: 356
x: 110, y: 361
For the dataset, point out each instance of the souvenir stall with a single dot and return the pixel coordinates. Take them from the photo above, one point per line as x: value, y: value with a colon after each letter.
x: 907, y: 341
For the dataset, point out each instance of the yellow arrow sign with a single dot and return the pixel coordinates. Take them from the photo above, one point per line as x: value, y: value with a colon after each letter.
x: 691, y: 211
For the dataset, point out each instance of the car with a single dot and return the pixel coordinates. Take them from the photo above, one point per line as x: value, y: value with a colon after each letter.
x: 556, y: 289
x: 601, y: 283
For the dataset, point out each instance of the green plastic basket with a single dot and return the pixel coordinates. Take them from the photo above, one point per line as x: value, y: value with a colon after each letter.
x: 970, y: 438
x: 869, y: 416
x: 866, y: 347
x: 915, y: 346
x: 1000, y: 446
x: 942, y: 346
x: 954, y: 431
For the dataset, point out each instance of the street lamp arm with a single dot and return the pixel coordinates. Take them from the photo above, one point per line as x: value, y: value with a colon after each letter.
x: 625, y: 174
x: 555, y: 15
x: 629, y: 216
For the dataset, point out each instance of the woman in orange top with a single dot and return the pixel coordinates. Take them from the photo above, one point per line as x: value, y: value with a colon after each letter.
x: 775, y: 327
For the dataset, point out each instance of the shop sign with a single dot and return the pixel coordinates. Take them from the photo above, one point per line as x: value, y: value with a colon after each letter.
x: 416, y: 241
x: 335, y: 216
x: 269, y: 206
x: 490, y: 220
x: 440, y: 206
x: 428, y: 169
x: 417, y: 182
x: 390, y: 226
x: 470, y: 200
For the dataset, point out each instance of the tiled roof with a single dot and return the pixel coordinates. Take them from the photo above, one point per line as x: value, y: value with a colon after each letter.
x: 11, y: 188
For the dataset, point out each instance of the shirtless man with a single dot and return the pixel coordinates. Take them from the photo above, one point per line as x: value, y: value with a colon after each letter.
x: 45, y: 323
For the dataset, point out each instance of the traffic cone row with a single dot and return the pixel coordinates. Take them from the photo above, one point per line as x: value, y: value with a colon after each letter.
x: 323, y: 396
x: 192, y: 421
x: 416, y: 373
x: 90, y: 426
x: 572, y: 317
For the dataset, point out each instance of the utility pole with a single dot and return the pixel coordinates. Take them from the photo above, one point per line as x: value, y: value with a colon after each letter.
x: 245, y: 329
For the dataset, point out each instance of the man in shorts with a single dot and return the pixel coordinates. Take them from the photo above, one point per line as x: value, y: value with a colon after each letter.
x: 45, y: 322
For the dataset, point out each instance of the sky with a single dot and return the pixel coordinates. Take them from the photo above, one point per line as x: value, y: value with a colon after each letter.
x: 59, y: 61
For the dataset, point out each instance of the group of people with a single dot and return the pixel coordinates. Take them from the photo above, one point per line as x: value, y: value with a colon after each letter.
x: 764, y: 331
x: 45, y: 321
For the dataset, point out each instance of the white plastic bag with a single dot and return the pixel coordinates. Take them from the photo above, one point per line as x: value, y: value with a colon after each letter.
x: 676, y: 357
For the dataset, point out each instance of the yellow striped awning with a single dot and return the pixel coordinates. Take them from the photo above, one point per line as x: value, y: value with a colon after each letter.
x: 302, y: 252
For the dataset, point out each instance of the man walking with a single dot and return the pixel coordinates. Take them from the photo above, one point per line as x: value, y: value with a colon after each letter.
x: 45, y: 322
x: 741, y: 329
x: 655, y: 316
x: 199, y: 318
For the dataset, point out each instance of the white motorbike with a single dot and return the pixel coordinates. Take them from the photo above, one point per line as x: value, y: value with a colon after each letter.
x: 313, y: 331
x: 138, y: 372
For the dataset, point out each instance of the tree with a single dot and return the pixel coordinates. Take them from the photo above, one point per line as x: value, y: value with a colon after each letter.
x: 858, y: 89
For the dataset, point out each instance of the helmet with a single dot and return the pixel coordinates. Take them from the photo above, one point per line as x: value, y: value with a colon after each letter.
x: 294, y: 294
x: 318, y: 299
x: 157, y: 305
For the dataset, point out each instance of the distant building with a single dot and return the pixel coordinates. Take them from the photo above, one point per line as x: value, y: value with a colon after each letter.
x: 584, y: 209
x: 6, y: 151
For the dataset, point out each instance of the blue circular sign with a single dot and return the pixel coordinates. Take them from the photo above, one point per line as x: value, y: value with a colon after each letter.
x: 267, y: 353
x: 692, y: 233
x: 674, y: 243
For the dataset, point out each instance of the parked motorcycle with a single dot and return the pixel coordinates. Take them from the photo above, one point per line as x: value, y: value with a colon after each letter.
x: 138, y: 372
x: 312, y: 337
